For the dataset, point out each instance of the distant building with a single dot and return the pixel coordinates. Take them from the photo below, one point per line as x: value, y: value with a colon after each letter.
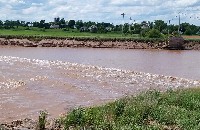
x: 30, y: 25
x: 108, y: 28
x: 83, y: 29
x: 93, y: 28
x: 145, y: 25
x: 198, y: 33
x: 54, y: 26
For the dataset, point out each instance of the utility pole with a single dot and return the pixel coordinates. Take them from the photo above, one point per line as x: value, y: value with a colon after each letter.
x: 168, y: 28
x: 134, y: 22
x: 179, y: 22
x: 130, y: 24
x: 123, y: 14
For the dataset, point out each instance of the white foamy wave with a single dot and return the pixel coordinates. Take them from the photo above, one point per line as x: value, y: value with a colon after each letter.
x: 113, y: 76
x: 11, y: 83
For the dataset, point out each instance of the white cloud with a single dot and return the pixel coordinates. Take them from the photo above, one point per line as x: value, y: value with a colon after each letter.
x: 30, y: 10
x: 21, y: 2
x: 100, y: 10
x: 37, y: 4
x: 12, y: 2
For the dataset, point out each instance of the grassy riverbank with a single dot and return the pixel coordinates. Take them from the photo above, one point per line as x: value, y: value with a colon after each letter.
x: 153, y: 110
x: 61, y: 33
x: 150, y: 111
x: 36, y: 34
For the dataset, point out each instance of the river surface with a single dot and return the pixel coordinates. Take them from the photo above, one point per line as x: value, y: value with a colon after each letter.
x: 60, y: 79
x: 184, y: 64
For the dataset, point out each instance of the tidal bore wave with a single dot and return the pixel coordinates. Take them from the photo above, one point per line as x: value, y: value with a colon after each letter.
x: 30, y: 85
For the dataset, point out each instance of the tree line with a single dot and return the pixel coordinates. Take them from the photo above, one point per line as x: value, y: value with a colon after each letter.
x: 145, y: 28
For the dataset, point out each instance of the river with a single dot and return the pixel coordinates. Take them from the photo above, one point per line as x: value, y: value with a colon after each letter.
x: 179, y: 63
x: 60, y: 79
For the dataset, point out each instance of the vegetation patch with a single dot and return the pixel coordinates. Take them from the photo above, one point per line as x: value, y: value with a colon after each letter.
x: 152, y: 110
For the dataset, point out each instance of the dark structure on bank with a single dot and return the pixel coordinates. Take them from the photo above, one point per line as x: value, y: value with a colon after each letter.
x: 175, y: 43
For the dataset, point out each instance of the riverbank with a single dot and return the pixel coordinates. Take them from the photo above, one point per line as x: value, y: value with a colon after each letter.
x: 150, y: 110
x: 95, y: 43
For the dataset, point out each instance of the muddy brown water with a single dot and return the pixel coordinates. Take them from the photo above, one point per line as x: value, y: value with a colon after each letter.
x: 60, y: 79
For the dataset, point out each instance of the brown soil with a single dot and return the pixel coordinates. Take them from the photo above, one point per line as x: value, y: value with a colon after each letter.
x: 87, y: 43
x: 191, y: 37
x: 189, y: 45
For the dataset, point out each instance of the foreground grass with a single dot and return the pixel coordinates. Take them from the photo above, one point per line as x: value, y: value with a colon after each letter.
x: 150, y: 111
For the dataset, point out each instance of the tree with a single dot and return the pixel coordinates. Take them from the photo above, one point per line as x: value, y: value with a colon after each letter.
x: 71, y: 23
x: 36, y: 24
x: 46, y: 25
x: 8, y: 24
x: 1, y: 24
x: 136, y: 28
x: 56, y: 20
x: 144, y: 32
x: 188, y: 31
x: 172, y: 28
x: 89, y: 24
x: 41, y: 24
x: 117, y: 28
x: 125, y: 28
x: 62, y: 23
x: 104, y: 27
x: 154, y: 33
x: 160, y: 25
x: 79, y: 24
x: 184, y: 26
x: 23, y: 23
x: 194, y: 29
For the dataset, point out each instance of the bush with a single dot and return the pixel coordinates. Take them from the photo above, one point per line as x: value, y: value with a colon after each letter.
x: 150, y: 111
x: 144, y: 32
x: 27, y: 28
x: 43, y: 29
x: 65, y: 29
x: 188, y: 31
x: 42, y: 120
x: 154, y: 33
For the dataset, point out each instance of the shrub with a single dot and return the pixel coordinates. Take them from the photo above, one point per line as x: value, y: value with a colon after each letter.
x: 144, y: 32
x: 154, y: 33
x: 65, y: 30
x: 27, y: 28
x: 42, y: 120
x: 150, y: 111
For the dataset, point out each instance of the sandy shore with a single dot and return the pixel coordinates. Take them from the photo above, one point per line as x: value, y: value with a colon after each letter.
x: 138, y: 44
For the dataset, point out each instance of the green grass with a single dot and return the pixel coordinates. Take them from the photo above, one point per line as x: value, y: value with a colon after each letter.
x: 42, y: 120
x: 152, y: 110
x: 60, y: 33
x: 34, y: 33
x: 37, y: 34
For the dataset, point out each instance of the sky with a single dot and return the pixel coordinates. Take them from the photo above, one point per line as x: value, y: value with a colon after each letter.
x: 102, y: 10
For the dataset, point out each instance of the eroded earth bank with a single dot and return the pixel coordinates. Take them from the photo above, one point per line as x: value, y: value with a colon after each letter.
x: 95, y: 43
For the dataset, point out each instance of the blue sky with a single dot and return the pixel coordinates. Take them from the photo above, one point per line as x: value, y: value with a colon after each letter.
x: 102, y: 10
